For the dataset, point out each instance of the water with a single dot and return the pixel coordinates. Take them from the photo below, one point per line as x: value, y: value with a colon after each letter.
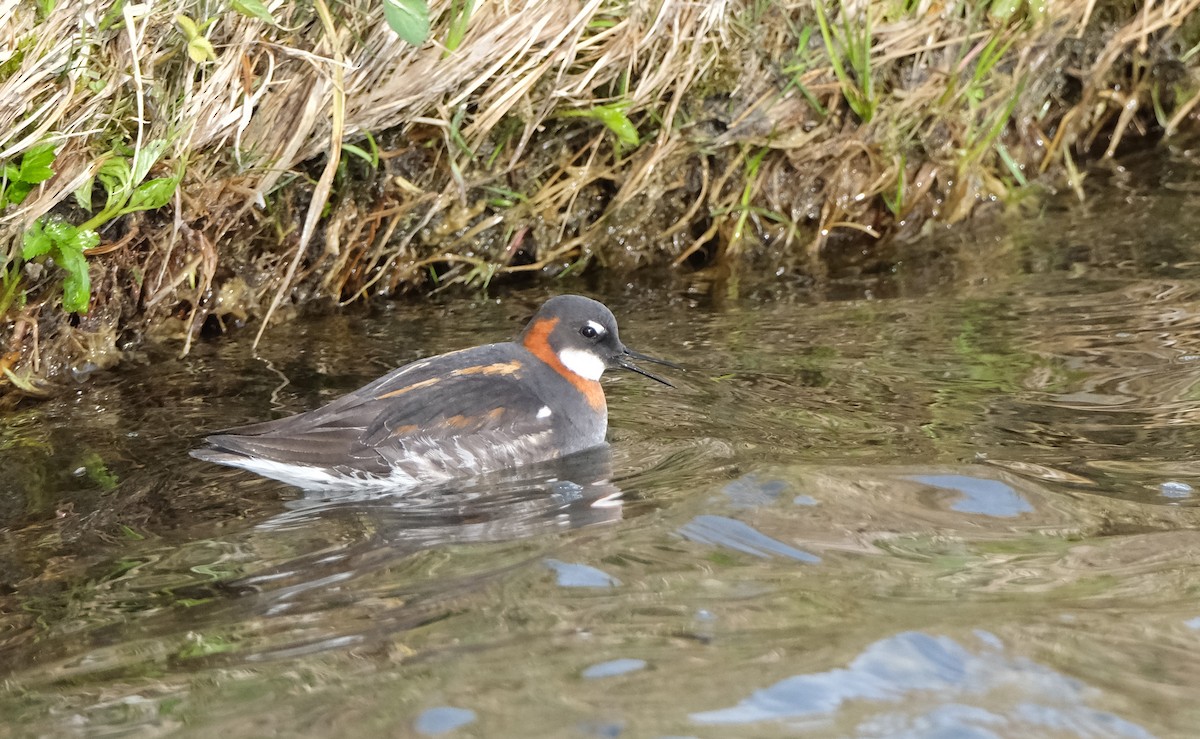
x: 938, y: 496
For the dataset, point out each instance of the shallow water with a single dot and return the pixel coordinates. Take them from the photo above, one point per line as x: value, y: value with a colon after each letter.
x: 949, y: 495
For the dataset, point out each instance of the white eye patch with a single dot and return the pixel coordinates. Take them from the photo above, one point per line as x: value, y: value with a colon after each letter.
x: 600, y: 330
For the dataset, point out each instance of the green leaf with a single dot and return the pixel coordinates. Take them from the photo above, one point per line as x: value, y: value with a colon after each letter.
x: 114, y: 173
x: 34, y: 175
x: 358, y: 152
x: 61, y: 233
x: 408, y: 18
x: 254, y: 9
x: 619, y: 123
x: 36, y: 242
x: 16, y: 193
x: 35, y: 165
x: 77, y: 285
x: 66, y: 243
x: 115, y: 176
x: 201, y: 50
x: 214, y: 570
x: 151, y: 195
x: 83, y: 194
x: 145, y: 159
x: 613, y: 116
x: 1002, y: 10
x: 33, y: 169
x: 84, y: 239
x: 188, y: 26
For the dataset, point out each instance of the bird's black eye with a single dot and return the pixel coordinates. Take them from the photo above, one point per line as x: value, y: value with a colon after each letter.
x: 589, y: 332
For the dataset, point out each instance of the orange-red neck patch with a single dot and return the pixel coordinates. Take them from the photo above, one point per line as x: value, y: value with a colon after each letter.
x: 537, y: 341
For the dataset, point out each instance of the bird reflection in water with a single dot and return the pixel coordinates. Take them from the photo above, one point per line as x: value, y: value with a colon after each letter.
x: 354, y: 570
x: 564, y: 493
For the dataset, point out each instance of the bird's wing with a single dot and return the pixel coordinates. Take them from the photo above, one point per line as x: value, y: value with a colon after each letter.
x: 413, y: 411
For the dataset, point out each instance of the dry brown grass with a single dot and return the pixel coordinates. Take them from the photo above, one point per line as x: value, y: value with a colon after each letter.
x: 748, y: 150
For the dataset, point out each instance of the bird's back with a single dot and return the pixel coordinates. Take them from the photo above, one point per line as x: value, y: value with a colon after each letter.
x: 470, y: 411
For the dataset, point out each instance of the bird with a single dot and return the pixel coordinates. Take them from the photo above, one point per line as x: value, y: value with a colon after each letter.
x: 460, y: 414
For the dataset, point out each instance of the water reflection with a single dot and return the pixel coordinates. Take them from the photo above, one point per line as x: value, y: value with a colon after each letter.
x: 351, y: 547
x: 385, y: 531
x: 564, y: 493
x: 615, y: 667
x: 740, y: 536
x: 575, y: 575
x: 980, y: 495
x: 442, y: 720
x: 947, y: 691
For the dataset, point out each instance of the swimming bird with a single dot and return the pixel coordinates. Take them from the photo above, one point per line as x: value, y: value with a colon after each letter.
x: 459, y: 414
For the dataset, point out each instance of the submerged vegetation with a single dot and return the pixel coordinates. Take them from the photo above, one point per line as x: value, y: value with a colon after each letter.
x: 176, y: 167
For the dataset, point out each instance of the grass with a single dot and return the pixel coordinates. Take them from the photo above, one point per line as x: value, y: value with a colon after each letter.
x: 848, y: 49
x: 201, y: 141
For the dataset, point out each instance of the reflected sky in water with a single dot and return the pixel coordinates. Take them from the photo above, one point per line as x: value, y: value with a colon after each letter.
x: 986, y: 497
x: 442, y: 720
x: 574, y: 575
x: 947, y: 691
x: 736, y: 535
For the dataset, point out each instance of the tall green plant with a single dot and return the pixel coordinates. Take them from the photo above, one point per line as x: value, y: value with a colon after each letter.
x: 460, y: 20
x: 849, y: 48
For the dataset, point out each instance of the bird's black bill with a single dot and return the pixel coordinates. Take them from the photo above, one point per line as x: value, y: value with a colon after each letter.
x: 624, y: 362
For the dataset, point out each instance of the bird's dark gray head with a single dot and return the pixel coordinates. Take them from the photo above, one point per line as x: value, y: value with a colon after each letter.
x: 582, y: 333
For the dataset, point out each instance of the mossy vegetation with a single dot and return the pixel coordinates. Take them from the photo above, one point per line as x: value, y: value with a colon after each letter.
x: 175, y: 166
